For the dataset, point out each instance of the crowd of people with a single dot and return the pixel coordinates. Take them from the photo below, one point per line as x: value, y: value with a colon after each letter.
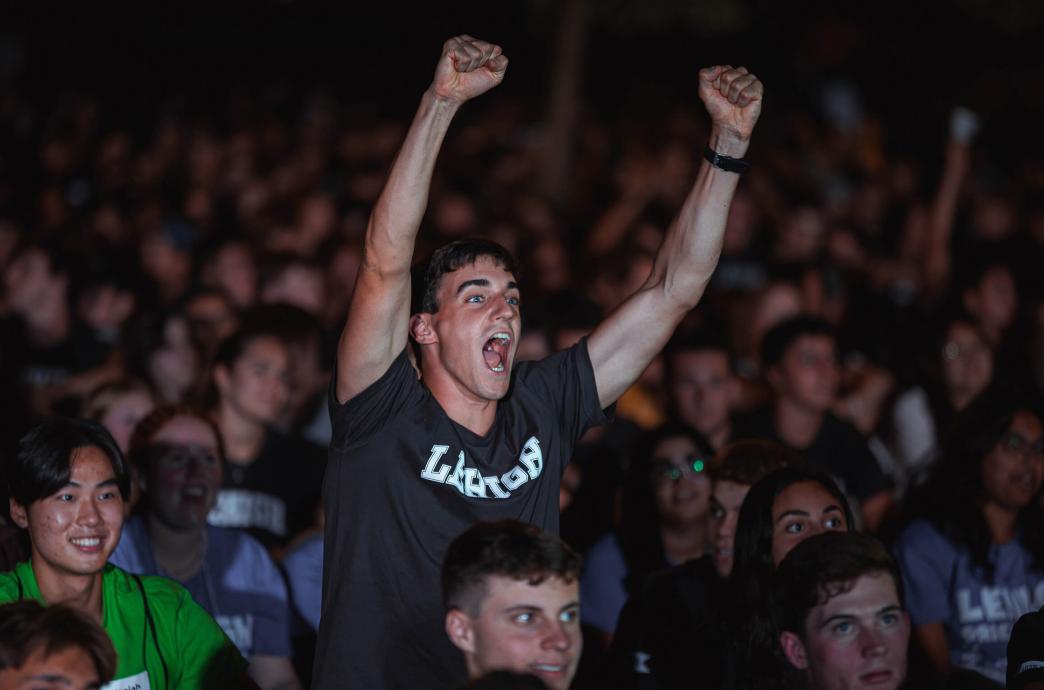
x: 812, y: 461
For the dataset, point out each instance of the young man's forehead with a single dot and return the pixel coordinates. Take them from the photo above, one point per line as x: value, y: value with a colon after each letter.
x: 873, y: 590
x: 508, y: 591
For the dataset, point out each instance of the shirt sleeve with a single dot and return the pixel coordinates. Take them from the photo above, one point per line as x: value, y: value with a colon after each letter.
x: 602, y: 592
x: 926, y: 561
x: 355, y: 421
x: 304, y: 569
x: 567, y: 379
x: 206, y: 658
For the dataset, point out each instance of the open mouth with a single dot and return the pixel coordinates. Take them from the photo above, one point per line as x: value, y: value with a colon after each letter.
x: 194, y: 493
x: 495, y: 352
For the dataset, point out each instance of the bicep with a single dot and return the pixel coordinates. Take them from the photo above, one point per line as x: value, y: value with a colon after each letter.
x: 624, y: 344
x: 375, y: 331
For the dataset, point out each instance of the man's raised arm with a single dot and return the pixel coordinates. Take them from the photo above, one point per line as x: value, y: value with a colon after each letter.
x: 625, y: 342
x: 378, y: 318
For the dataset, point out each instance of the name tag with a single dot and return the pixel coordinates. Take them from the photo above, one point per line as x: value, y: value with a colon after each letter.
x: 138, y: 682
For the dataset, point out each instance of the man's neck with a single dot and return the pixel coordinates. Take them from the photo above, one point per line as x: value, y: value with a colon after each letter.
x: 720, y: 436
x: 796, y: 425
x: 180, y: 553
x: 476, y: 416
x: 83, y: 592
x: 243, y: 437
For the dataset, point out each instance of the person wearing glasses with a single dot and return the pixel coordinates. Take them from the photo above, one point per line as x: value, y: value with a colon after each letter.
x: 973, y: 562
x: 664, y: 512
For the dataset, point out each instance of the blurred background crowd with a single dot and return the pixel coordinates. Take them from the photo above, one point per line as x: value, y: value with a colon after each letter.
x: 182, y: 205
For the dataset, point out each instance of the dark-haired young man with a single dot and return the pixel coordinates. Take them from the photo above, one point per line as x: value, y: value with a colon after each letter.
x: 56, y: 647
x: 68, y: 485
x: 838, y: 602
x: 702, y: 387
x: 512, y: 601
x: 415, y: 462
x: 800, y: 359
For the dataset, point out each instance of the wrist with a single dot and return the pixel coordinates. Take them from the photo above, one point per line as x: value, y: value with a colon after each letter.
x: 728, y: 143
x: 440, y: 102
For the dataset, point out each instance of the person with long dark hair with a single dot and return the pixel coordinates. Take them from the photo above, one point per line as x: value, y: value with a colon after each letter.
x: 665, y: 507
x: 782, y: 510
x: 973, y: 560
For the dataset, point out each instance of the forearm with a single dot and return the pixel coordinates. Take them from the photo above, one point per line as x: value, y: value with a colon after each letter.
x: 692, y: 246
x: 396, y: 218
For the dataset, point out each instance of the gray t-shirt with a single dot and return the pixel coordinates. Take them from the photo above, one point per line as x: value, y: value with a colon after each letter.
x: 942, y: 586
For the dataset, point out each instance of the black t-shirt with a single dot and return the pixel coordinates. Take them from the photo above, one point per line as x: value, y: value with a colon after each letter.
x: 402, y: 482
x: 669, y: 635
x: 274, y: 497
x: 838, y: 449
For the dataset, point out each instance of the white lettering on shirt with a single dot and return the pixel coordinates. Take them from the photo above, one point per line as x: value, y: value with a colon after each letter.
x: 240, y: 629
x: 469, y: 482
x: 244, y: 509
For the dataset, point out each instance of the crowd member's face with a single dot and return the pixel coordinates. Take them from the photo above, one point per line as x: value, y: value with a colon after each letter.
x: 173, y: 366
x: 258, y: 384
x: 232, y: 270
x: 74, y: 530
x: 702, y: 389
x: 967, y: 362
x: 681, y: 486
x: 29, y: 282
x: 808, y: 374
x: 800, y: 511
x: 68, y: 669
x: 726, y: 501
x: 1012, y: 471
x: 124, y: 413
x: 475, y: 333
x: 995, y: 299
x: 856, y: 640
x: 184, y: 472
x: 524, y: 628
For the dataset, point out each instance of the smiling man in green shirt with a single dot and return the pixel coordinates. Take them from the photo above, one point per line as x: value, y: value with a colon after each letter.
x: 68, y: 483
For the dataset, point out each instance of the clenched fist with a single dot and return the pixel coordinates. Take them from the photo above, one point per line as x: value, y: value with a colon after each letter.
x: 468, y: 67
x: 732, y: 96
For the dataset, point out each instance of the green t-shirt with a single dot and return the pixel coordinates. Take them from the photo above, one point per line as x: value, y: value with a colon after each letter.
x: 163, y: 639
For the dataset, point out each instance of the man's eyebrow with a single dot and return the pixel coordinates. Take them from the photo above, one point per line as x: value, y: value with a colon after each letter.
x: 480, y: 282
x: 52, y: 678
x: 111, y: 481
x: 849, y: 616
x: 570, y: 605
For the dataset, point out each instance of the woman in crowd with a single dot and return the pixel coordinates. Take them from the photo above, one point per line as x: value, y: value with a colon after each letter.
x: 249, y: 389
x: 671, y: 614
x: 666, y: 499
x: 68, y: 485
x: 779, y: 512
x: 178, y: 453
x: 974, y: 560
x: 961, y: 366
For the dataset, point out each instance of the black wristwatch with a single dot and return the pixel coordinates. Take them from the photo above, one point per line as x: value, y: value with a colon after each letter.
x: 726, y: 163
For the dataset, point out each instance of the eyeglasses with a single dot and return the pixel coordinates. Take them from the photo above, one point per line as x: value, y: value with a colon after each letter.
x: 1017, y: 443
x: 663, y: 470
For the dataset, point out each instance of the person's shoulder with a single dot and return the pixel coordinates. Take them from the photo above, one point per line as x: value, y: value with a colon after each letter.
x: 306, y: 549
x: 605, y: 549
x: 159, y: 591
x: 921, y: 534
x: 10, y: 580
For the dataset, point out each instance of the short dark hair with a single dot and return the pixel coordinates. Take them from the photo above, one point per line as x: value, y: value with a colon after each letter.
x: 506, y: 547
x: 26, y: 627
x: 820, y: 568
x: 777, y: 341
x: 747, y: 462
x: 43, y: 463
x: 703, y: 340
x: 451, y: 257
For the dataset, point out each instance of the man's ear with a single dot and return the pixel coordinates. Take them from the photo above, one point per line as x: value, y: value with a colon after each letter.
x: 421, y: 329
x: 19, y: 514
x: 460, y: 630
x: 793, y: 649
